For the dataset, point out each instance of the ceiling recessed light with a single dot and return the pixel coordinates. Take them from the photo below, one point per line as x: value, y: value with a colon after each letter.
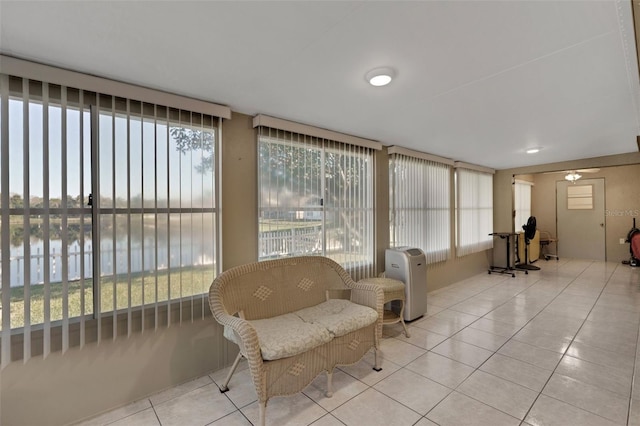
x: 380, y: 76
x: 533, y: 150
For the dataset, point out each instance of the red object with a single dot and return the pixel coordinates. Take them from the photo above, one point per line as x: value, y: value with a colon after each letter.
x: 635, y: 245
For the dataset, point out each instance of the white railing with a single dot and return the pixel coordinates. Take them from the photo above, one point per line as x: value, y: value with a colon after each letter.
x: 140, y: 258
x: 290, y: 242
x: 284, y: 242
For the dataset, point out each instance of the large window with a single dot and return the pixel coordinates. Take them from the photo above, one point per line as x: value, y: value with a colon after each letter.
x: 315, y: 196
x: 156, y: 209
x: 108, y: 211
x: 474, y: 211
x: 420, y: 206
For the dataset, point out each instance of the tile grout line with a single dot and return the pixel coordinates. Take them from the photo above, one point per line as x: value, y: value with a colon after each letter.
x: 475, y: 368
x: 633, y: 379
x: 469, y: 326
x: 376, y: 390
x: 478, y: 317
x: 570, y: 343
x: 496, y: 351
x: 600, y: 294
x: 504, y: 281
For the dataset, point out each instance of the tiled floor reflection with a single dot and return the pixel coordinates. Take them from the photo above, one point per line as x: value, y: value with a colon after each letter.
x: 555, y: 347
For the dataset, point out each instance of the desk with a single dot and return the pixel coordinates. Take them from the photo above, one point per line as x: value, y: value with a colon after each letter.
x: 533, y: 250
x: 507, y: 269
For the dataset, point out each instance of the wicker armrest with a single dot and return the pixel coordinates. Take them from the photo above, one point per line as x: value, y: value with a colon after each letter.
x: 248, y: 337
x: 369, y: 295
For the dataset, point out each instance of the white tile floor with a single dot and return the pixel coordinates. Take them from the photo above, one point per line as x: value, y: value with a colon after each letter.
x: 555, y: 347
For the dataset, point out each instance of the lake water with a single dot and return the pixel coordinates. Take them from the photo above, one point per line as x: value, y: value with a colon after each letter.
x: 142, y: 257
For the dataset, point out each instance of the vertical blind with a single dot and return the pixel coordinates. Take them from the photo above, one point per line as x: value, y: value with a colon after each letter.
x: 420, y: 205
x: 146, y: 250
x: 315, y: 197
x: 522, y: 203
x: 474, y: 205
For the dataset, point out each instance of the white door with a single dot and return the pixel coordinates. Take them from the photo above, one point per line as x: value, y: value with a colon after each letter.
x: 580, y: 219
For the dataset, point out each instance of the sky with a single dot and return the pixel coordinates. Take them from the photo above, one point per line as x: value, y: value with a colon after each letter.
x: 135, y: 174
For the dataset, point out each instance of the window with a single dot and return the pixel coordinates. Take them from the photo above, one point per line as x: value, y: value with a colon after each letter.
x: 315, y: 198
x: 522, y: 203
x: 419, y: 200
x: 156, y: 210
x: 108, y: 210
x: 474, y: 205
x: 580, y: 197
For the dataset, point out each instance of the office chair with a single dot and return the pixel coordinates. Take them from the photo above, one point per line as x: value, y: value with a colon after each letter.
x: 529, y: 234
x: 545, y: 243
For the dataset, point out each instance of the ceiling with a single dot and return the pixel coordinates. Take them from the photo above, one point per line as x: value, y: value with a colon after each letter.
x: 477, y: 81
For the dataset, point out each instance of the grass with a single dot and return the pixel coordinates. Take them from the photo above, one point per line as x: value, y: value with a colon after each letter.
x: 179, y: 283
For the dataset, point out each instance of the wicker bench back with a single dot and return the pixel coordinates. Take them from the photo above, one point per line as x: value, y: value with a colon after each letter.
x: 276, y: 287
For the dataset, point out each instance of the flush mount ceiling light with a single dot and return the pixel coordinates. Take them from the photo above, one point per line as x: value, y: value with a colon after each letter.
x: 572, y: 176
x: 380, y: 76
x: 533, y: 150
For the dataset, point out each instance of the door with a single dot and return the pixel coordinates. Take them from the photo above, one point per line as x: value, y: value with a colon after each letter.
x: 580, y: 219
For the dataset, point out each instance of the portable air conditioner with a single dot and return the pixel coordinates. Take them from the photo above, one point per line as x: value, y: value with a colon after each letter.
x: 409, y: 265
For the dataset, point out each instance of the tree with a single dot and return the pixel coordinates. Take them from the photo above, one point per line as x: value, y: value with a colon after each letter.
x: 294, y: 174
x: 201, y: 142
x: 16, y: 202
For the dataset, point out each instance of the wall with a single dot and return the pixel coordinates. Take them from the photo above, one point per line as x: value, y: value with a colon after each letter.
x: 440, y: 274
x: 622, y: 192
x: 99, y: 377
x: 64, y: 388
x: 85, y: 382
x: 457, y: 269
x: 622, y: 204
x: 240, y: 194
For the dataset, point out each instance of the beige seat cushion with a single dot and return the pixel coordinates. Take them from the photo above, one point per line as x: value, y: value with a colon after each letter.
x: 339, y: 316
x: 285, y: 335
x: 291, y: 334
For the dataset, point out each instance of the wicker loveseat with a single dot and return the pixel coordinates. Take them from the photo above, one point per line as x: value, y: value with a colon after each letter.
x: 294, y: 318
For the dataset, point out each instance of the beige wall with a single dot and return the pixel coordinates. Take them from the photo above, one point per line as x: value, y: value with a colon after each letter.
x: 456, y: 269
x: 239, y: 192
x: 622, y: 196
x: 622, y: 204
x: 84, y: 382
x: 64, y: 388
x: 440, y: 274
x: 382, y: 205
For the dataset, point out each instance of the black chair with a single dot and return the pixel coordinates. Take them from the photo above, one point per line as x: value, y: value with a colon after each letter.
x: 529, y: 234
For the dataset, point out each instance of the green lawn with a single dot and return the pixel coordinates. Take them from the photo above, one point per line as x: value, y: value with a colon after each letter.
x: 184, y: 282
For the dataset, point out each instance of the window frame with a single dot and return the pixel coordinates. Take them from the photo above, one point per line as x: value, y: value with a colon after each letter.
x: 474, y: 216
x: 429, y: 176
x: 357, y: 267
x: 71, y: 329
